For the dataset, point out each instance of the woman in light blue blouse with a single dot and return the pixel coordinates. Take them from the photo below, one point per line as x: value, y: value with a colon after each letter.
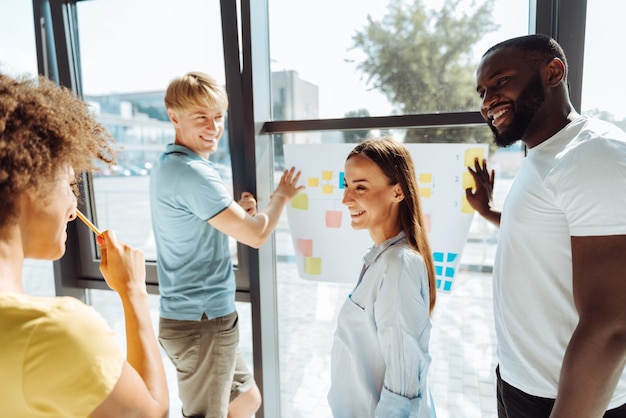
x: 380, y: 358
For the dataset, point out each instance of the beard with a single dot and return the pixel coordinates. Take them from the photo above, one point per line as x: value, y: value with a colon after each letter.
x: 526, y: 107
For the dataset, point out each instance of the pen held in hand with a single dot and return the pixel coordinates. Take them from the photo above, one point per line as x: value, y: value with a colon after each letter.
x: 88, y: 223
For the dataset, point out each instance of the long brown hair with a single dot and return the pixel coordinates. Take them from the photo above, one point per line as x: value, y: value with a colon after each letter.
x: 396, y: 163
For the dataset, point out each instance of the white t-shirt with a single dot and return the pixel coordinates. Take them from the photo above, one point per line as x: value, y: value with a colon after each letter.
x: 573, y: 184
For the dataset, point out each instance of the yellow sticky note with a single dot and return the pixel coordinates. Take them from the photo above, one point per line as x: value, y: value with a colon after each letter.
x: 426, y: 192
x: 468, y: 181
x: 313, y: 181
x: 425, y: 178
x: 313, y: 265
x: 471, y: 154
x: 300, y: 201
x: 465, y: 206
x: 328, y: 189
x: 327, y: 175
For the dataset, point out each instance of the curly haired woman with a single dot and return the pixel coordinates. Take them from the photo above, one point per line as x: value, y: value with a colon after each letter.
x: 57, y: 355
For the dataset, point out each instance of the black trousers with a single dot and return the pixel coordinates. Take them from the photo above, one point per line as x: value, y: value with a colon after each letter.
x: 513, y: 403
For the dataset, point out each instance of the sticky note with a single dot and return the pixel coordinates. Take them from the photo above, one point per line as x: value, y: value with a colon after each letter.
x: 425, y: 178
x: 471, y: 154
x: 313, y: 181
x: 328, y: 189
x: 327, y: 175
x: 300, y: 201
x: 333, y: 218
x: 465, y: 206
x: 305, y: 247
x: 468, y: 181
x: 313, y: 265
x: 427, y: 222
x: 425, y: 192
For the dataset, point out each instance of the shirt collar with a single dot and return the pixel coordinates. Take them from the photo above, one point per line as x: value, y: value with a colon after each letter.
x: 376, y: 251
x: 181, y: 149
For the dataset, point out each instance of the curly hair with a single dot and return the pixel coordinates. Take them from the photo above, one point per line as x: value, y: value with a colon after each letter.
x: 44, y: 129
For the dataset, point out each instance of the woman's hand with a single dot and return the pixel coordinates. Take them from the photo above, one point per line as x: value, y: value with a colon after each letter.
x: 122, y: 266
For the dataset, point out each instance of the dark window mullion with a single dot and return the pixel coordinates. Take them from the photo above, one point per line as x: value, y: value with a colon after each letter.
x: 380, y: 122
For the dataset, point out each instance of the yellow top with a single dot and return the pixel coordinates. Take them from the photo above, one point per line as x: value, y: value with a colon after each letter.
x: 58, y: 357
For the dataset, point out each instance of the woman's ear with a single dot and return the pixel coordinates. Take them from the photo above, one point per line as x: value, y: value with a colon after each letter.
x: 397, y: 193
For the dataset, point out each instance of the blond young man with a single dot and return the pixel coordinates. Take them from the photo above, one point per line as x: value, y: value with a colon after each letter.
x: 193, y: 215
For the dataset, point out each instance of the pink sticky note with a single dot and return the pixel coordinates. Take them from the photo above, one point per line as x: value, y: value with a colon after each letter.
x: 305, y: 246
x: 333, y: 218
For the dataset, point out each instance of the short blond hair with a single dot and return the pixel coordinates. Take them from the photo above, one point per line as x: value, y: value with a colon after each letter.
x: 193, y: 89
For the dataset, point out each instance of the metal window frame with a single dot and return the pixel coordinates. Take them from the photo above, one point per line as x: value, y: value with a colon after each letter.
x: 248, y: 85
x: 565, y: 21
x: 251, y: 126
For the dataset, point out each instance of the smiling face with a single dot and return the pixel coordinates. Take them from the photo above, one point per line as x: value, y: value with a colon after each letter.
x: 198, y: 128
x: 372, y: 201
x: 512, y: 95
x: 44, y: 215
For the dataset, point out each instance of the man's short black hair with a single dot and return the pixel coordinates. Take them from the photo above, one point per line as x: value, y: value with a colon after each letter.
x: 538, y: 48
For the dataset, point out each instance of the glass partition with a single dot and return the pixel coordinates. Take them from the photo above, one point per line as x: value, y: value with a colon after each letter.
x: 462, y: 340
x: 129, y: 52
x: 18, y: 52
x: 364, y: 59
x: 603, y: 91
x: 125, y: 72
x: 18, y: 56
x: 360, y: 58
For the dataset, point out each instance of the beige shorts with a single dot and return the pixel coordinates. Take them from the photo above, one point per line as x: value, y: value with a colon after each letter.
x: 209, y: 368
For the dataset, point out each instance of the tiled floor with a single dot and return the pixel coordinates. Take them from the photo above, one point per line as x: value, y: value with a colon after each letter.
x: 462, y: 340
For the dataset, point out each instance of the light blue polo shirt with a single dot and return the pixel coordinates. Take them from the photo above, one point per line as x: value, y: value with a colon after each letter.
x: 194, y: 264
